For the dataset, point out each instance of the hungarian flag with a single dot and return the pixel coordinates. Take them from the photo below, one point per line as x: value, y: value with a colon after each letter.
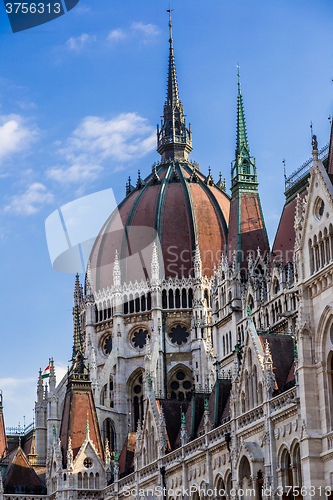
x: 46, y: 373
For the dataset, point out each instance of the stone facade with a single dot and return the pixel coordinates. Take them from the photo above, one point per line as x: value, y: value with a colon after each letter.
x: 213, y: 384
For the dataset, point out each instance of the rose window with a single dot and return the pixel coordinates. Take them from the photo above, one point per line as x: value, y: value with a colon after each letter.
x: 179, y: 335
x: 139, y: 338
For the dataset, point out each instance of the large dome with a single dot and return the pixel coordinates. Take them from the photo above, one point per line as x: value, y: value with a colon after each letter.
x: 176, y: 205
x: 182, y: 207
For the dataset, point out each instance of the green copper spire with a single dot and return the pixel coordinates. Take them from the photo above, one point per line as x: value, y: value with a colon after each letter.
x: 243, y: 169
x: 242, y: 143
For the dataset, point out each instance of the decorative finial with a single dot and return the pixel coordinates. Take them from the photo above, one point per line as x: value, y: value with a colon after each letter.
x: 284, y: 168
x: 238, y: 75
x: 206, y: 405
x: 183, y: 421
x: 87, y: 427
x: 140, y: 183
x: 170, y: 24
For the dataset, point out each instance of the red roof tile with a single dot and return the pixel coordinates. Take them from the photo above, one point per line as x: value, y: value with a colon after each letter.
x: 20, y: 473
x: 282, y: 351
x: 79, y: 407
x: 3, y: 444
x: 285, y: 237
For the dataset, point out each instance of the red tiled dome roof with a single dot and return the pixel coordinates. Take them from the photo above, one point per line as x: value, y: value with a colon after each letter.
x: 181, y: 206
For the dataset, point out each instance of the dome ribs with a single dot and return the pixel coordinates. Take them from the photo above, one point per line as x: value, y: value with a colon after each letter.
x: 160, y: 203
x: 182, y: 214
x: 177, y: 228
x: 215, y: 204
x: 189, y: 199
x: 104, y: 238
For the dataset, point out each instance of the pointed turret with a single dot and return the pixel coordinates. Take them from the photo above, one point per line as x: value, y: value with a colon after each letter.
x: 247, y: 229
x: 88, y: 284
x: 3, y: 443
x: 197, y: 263
x: 242, y: 146
x: 79, y: 405
x: 155, y: 267
x: 174, y: 139
x: 52, y: 378
x: 243, y: 169
x: 116, y: 270
x: 78, y: 356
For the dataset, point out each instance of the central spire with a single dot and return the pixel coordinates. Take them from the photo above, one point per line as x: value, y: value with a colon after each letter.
x: 172, y: 92
x: 174, y: 139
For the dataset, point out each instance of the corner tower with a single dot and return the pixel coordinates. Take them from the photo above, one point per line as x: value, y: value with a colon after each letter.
x: 247, y: 231
x: 174, y: 139
x: 79, y: 406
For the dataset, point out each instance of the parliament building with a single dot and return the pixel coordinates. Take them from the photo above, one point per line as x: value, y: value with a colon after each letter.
x: 202, y: 362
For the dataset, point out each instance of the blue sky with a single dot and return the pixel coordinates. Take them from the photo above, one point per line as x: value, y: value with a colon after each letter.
x: 80, y: 98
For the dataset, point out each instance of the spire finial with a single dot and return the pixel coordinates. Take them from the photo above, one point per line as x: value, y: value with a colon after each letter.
x: 241, y: 126
x: 170, y: 25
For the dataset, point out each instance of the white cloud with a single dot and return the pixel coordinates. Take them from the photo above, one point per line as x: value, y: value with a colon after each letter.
x: 149, y: 30
x: 78, y: 43
x: 31, y: 201
x: 116, y: 35
x: 145, y: 31
x: 15, y: 135
x: 61, y: 370
x: 19, y: 395
x: 82, y: 9
x: 96, y: 140
x: 78, y: 172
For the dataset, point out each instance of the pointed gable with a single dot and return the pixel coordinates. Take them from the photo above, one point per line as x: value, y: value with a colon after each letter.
x: 282, y: 352
x: 172, y: 414
x: 20, y: 476
x: 126, y: 459
x: 283, y: 247
x: 313, y: 221
x: 217, y: 405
